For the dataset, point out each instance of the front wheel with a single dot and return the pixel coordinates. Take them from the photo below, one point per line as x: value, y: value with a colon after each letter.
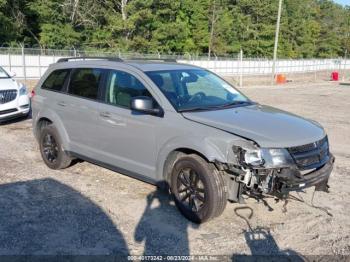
x: 199, y: 189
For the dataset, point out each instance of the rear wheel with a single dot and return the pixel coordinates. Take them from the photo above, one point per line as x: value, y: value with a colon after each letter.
x: 198, y: 188
x: 51, y: 149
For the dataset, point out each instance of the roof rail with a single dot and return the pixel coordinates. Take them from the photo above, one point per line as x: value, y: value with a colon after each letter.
x: 66, y: 59
x: 153, y: 59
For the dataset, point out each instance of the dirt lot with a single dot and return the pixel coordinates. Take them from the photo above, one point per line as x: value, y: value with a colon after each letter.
x: 86, y: 209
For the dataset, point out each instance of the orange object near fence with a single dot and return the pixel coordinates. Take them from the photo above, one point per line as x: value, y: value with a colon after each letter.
x: 281, y: 79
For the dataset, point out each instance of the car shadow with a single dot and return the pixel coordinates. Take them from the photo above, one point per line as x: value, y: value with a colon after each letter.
x: 46, y: 217
x: 261, y: 243
x: 162, y: 228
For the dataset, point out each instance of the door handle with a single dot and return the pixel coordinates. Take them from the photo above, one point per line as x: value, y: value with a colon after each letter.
x: 61, y: 103
x: 105, y: 114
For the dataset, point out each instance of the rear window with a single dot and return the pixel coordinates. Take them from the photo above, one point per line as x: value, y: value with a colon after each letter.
x: 56, y: 80
x: 85, y: 82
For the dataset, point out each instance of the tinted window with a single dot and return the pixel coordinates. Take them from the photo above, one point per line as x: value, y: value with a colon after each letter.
x: 121, y: 87
x: 56, y: 80
x: 85, y: 82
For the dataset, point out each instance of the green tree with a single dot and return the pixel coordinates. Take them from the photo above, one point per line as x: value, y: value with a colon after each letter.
x: 299, y: 30
x: 309, y: 28
x: 59, y: 36
x: 329, y: 41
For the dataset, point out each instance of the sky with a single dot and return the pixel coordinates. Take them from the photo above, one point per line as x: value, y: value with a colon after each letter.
x: 342, y: 2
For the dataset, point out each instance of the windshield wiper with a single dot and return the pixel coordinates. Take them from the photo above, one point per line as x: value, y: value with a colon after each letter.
x: 202, y: 108
x: 191, y: 109
x: 233, y: 104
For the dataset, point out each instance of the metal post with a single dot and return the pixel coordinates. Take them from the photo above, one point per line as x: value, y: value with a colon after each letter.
x: 24, y: 65
x: 238, y: 64
x: 241, y: 68
x: 226, y: 66
x: 315, y: 69
x: 276, y: 41
x: 343, y: 78
x: 215, y: 64
x: 39, y: 65
x: 10, y: 63
x: 232, y: 65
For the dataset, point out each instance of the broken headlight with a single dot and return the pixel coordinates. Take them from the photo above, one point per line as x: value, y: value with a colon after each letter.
x: 267, y: 157
x: 253, y: 157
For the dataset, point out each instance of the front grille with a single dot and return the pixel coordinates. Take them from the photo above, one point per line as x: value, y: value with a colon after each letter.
x: 8, y: 111
x: 311, y: 155
x: 7, y: 96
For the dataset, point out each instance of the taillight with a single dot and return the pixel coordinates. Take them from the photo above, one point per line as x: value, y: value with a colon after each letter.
x: 32, y: 94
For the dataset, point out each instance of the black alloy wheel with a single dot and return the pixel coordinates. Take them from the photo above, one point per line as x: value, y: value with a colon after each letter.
x: 191, y: 189
x: 50, y: 148
x: 198, y: 188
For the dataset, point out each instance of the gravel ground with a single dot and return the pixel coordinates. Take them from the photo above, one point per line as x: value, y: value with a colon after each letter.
x: 86, y: 209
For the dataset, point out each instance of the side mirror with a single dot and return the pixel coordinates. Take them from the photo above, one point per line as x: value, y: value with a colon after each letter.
x: 11, y: 74
x: 145, y: 104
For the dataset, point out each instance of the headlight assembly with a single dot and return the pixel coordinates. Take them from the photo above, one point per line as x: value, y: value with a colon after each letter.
x: 253, y: 157
x: 277, y: 157
x: 23, y: 91
x: 267, y: 157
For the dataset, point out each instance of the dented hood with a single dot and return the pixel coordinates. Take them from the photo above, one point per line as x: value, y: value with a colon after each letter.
x: 267, y: 126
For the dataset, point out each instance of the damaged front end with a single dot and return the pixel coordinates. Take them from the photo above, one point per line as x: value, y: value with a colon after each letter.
x: 277, y: 171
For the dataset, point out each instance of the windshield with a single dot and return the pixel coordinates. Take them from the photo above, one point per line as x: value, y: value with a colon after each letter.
x: 3, y: 73
x: 196, y: 89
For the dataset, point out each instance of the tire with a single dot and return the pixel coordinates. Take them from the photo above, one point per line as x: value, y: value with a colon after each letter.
x: 198, y: 188
x: 53, y: 155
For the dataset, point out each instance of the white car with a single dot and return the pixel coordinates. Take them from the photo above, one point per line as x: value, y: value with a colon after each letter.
x: 14, y: 97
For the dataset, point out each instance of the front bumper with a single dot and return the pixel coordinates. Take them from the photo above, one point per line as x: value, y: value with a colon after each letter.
x: 16, y: 108
x: 318, y: 178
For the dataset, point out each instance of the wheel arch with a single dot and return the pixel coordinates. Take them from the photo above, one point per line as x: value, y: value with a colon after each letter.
x: 42, y: 122
x: 51, y: 117
x: 209, y: 155
x: 173, y: 155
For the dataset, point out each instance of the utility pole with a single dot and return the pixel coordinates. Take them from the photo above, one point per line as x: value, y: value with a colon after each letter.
x: 213, y: 18
x: 276, y: 41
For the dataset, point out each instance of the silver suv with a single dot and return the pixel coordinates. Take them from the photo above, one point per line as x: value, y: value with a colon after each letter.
x: 178, y: 126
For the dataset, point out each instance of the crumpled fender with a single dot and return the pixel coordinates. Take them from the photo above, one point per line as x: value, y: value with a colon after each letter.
x: 213, y: 148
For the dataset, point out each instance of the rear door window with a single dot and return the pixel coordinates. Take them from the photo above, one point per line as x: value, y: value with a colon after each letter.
x: 56, y: 80
x: 85, y: 82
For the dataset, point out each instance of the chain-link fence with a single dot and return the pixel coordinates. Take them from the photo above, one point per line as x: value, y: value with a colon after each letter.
x: 28, y: 63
